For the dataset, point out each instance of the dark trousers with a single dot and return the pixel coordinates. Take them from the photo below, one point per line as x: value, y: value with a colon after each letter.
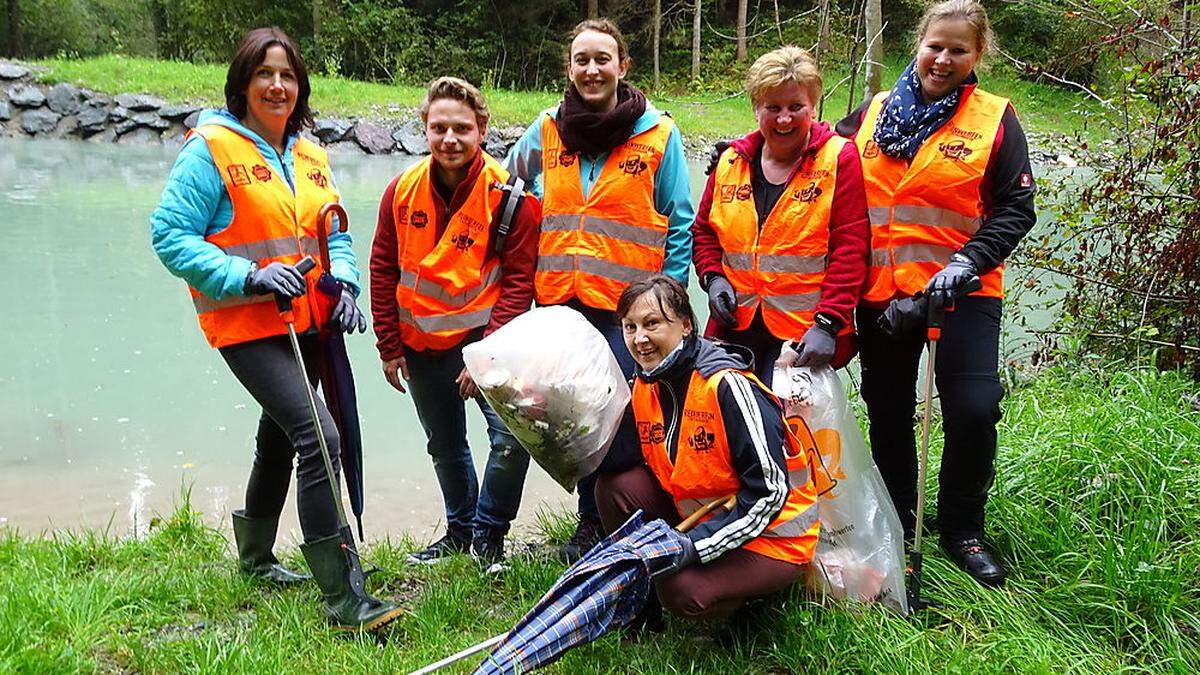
x: 470, y: 507
x: 969, y: 390
x: 625, y: 450
x: 267, y: 369
x: 701, y: 591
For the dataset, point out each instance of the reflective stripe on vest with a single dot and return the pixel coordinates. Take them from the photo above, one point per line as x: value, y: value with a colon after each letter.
x: 449, y: 283
x: 271, y: 223
x: 776, y: 269
x: 702, y: 469
x: 591, y: 248
x: 916, y: 221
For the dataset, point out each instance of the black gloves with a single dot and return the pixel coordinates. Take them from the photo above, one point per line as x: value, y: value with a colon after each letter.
x: 816, y: 347
x: 279, y: 278
x: 948, y: 282
x: 677, y: 562
x: 347, y: 316
x: 722, y: 301
x: 714, y: 155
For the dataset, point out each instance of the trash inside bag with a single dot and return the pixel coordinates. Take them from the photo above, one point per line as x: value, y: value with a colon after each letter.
x: 861, y: 548
x: 555, y: 383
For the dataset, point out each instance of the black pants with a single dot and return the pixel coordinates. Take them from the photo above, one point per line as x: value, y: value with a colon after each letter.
x: 267, y: 369
x: 969, y: 391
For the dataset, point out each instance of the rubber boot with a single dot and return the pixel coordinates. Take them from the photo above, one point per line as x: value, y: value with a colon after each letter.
x: 255, y: 538
x: 340, y: 577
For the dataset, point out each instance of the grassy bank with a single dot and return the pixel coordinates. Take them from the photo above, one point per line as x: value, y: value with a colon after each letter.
x: 708, y: 116
x: 1095, y: 509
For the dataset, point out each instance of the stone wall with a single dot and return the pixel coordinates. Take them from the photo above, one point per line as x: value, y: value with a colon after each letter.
x: 29, y: 109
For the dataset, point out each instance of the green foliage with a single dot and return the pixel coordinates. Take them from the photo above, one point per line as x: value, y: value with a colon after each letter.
x: 208, y: 30
x: 84, y: 27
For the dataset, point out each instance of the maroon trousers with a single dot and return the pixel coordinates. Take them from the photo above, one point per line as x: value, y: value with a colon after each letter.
x: 708, y: 590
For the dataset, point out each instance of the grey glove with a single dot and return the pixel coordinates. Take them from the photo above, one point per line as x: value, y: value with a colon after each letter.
x: 279, y: 278
x: 722, y: 301
x: 946, y: 284
x: 688, y: 556
x: 816, y: 348
x: 347, y: 315
x: 714, y: 156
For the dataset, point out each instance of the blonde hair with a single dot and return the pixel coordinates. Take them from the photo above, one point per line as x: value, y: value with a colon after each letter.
x: 777, y: 67
x: 456, y: 89
x: 970, y: 11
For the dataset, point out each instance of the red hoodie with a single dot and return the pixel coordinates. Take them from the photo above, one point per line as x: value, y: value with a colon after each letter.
x: 849, y: 231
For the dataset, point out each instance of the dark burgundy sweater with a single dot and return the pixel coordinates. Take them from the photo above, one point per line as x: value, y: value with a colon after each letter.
x: 517, y: 264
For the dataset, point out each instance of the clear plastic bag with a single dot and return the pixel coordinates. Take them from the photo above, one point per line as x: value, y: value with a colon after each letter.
x: 551, y: 377
x: 860, y: 554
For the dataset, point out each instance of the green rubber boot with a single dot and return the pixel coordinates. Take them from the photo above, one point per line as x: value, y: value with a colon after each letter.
x: 255, y: 538
x: 340, y: 577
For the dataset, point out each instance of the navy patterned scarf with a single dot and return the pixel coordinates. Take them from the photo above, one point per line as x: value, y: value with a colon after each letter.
x: 906, y: 120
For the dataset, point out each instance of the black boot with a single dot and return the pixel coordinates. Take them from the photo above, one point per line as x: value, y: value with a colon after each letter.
x: 487, y: 547
x: 972, y: 557
x: 255, y: 538
x: 587, y: 534
x: 340, y: 577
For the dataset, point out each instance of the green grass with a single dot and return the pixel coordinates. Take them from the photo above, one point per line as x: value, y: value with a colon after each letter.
x: 1095, y: 510
x: 701, y: 117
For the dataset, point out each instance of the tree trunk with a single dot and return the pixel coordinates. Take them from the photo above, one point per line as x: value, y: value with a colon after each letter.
x: 741, y: 31
x: 14, y: 47
x: 823, y: 31
x: 873, y: 20
x: 696, y: 42
x: 657, y: 40
x: 593, y: 9
x: 319, y: 57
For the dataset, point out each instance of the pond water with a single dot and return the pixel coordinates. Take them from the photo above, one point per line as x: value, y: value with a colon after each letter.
x: 111, y: 402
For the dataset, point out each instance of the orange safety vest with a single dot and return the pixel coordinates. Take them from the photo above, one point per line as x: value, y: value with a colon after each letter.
x: 448, y: 285
x: 703, y: 470
x: 592, y: 248
x: 779, y: 267
x: 271, y: 223
x: 923, y: 211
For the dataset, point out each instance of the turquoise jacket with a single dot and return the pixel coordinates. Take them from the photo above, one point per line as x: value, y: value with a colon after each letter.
x: 194, y: 205
x: 672, y: 192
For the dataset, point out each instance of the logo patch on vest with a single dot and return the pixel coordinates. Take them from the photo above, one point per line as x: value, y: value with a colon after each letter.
x: 954, y: 150
x: 466, y: 237
x: 565, y: 159
x: 420, y: 219
x: 633, y: 166
x: 808, y: 193
x: 871, y: 149
x: 964, y: 133
x: 727, y: 193
x: 238, y: 174
x: 462, y: 240
x: 651, y: 433
x: 702, y: 441
x: 744, y: 192
x: 318, y: 178
x: 262, y: 173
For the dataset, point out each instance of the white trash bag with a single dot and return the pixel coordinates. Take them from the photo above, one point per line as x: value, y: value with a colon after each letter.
x: 551, y: 377
x: 860, y: 554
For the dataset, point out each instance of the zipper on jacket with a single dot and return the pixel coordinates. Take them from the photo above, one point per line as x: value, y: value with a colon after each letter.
x: 673, y: 426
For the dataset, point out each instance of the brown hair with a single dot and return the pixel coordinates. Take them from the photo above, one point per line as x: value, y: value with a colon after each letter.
x: 669, y: 293
x: 776, y: 67
x: 970, y: 11
x: 458, y: 90
x: 601, y: 25
x: 250, y: 53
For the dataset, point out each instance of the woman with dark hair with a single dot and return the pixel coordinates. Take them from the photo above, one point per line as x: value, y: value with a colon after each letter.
x: 708, y: 428
x: 238, y: 212
x: 616, y: 204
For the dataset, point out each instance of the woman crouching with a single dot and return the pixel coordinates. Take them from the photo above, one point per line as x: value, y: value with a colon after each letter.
x: 708, y: 429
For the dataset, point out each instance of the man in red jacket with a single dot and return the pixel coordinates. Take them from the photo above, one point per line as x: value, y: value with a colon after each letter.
x: 443, y: 277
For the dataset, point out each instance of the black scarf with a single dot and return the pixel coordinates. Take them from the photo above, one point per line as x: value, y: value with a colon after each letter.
x: 594, y: 133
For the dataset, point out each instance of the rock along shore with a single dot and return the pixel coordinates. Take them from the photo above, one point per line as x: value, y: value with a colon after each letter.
x: 32, y: 110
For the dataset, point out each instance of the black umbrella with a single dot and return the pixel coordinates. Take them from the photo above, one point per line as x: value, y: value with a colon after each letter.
x: 337, y: 379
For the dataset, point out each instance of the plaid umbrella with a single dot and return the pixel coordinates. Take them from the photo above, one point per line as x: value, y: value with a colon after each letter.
x: 603, y: 590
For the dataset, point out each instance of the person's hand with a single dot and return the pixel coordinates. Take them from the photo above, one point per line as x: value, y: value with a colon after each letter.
x: 722, y: 301
x: 279, y: 278
x: 714, y: 155
x: 347, y: 316
x: 948, y: 282
x: 816, y: 348
x: 679, y: 561
x: 466, y: 386
x: 394, y: 370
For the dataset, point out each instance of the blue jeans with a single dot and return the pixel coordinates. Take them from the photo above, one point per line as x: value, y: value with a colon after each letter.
x: 443, y: 415
x: 626, y: 444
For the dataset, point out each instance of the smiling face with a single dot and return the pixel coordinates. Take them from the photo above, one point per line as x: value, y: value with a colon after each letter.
x: 784, y: 114
x: 454, y: 134
x: 946, y: 55
x: 272, y: 91
x: 596, y: 68
x: 652, y: 331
